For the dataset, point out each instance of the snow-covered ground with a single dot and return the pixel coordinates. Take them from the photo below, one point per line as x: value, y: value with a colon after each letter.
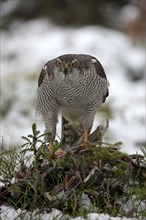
x: 28, y: 46
x: 10, y: 214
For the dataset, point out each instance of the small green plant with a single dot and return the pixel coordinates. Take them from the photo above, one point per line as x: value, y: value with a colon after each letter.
x: 32, y: 140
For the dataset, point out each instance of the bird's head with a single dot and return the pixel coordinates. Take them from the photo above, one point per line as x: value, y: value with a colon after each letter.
x: 66, y: 67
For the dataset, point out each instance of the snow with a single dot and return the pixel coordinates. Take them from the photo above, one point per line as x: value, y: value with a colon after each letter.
x: 28, y: 46
x: 129, y: 13
x: 9, y: 213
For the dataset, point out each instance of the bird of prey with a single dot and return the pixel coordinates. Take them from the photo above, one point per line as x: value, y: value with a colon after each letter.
x: 75, y: 85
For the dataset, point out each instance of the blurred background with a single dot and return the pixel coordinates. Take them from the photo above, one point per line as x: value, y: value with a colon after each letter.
x: 33, y: 32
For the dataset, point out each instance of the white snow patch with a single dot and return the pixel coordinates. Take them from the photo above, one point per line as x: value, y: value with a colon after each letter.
x: 28, y: 46
x: 8, y: 213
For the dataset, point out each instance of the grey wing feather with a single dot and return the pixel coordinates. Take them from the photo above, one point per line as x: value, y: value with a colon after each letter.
x: 47, y: 69
x: 107, y: 94
x: 42, y: 75
x: 40, y: 94
x: 99, y: 69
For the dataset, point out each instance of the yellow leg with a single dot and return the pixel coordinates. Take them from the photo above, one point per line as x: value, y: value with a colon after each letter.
x: 86, y: 136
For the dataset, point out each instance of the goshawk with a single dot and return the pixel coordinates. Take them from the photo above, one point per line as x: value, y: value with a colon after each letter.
x: 75, y: 85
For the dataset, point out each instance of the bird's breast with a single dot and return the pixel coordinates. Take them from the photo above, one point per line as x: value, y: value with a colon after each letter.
x: 79, y: 92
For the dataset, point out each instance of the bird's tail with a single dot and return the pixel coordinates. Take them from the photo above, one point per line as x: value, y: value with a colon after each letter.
x: 69, y: 133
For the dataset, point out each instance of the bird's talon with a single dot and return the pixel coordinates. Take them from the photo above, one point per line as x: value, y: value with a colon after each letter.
x: 83, y: 145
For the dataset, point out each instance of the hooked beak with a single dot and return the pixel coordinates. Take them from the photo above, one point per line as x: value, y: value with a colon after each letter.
x: 65, y: 71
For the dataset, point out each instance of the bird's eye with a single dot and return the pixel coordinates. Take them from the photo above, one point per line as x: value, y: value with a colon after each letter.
x: 58, y: 63
x: 74, y: 63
